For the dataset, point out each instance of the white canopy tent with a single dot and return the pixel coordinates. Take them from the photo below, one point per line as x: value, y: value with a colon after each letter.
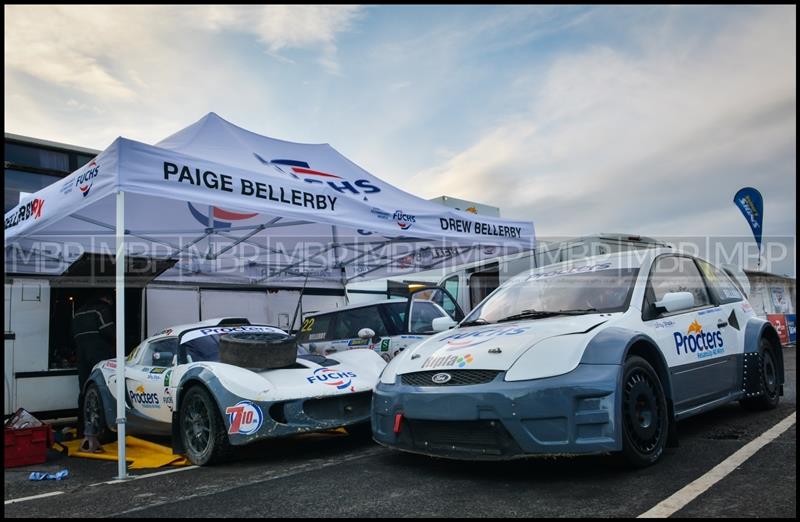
x: 228, y: 205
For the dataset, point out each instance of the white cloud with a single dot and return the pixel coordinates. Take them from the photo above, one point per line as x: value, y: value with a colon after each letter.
x: 633, y: 141
x: 281, y: 27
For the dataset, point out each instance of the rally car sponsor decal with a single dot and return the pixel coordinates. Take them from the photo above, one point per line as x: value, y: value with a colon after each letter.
x: 218, y: 330
x: 244, y: 418
x: 695, y: 340
x: 458, y: 341
x: 144, y: 399
x: 340, y: 379
x: 448, y: 360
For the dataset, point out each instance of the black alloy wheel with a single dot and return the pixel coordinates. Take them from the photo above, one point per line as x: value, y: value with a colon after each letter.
x: 645, y: 421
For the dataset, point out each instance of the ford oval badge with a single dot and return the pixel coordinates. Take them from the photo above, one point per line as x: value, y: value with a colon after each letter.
x: 441, y: 378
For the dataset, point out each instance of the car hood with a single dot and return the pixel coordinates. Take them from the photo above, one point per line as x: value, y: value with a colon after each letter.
x: 493, y: 346
x: 312, y: 380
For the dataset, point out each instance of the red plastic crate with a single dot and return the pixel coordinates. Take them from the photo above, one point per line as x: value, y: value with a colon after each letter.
x: 26, y: 446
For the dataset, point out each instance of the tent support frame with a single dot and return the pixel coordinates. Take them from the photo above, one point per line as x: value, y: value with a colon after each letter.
x: 122, y: 472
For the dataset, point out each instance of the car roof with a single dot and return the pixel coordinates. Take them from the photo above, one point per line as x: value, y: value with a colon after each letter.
x: 175, y: 331
x: 632, y: 258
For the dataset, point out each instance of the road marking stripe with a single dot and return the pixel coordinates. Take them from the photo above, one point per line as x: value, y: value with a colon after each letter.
x: 680, y: 499
x: 270, y: 475
x: 137, y: 477
x: 34, y: 497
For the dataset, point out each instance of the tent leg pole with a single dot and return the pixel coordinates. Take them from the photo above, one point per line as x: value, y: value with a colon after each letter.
x: 120, y: 344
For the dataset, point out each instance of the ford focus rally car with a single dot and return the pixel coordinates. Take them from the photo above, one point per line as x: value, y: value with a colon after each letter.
x: 224, y: 382
x: 600, y: 355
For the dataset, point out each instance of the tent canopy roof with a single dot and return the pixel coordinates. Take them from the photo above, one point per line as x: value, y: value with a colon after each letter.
x: 230, y: 205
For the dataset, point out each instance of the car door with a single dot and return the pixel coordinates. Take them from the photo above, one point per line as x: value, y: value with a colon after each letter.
x: 733, y: 314
x: 144, y: 380
x: 695, y: 349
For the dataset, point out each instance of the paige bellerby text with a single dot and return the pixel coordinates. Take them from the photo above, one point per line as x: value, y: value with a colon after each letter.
x: 224, y: 182
x: 301, y: 198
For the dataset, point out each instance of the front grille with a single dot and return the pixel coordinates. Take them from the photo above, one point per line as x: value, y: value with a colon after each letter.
x: 345, y: 407
x: 457, y: 377
x: 485, y: 437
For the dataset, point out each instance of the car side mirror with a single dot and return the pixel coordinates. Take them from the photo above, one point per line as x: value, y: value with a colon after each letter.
x: 366, y: 333
x: 675, y: 301
x: 440, y: 324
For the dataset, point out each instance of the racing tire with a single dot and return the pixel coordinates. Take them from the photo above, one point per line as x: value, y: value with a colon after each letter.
x: 645, y: 419
x: 202, y: 430
x: 94, y: 412
x: 769, y: 381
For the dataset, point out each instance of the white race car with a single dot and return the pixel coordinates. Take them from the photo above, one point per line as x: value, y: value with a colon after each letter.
x: 601, y: 355
x: 224, y: 382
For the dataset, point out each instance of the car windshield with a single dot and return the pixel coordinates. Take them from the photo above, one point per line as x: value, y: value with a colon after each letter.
x: 561, y: 291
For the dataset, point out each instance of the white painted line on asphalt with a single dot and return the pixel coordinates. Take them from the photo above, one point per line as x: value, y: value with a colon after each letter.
x: 137, y: 477
x: 680, y: 499
x: 266, y: 477
x: 34, y: 497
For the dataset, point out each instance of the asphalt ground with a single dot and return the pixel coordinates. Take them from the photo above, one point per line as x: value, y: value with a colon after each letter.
x: 335, y: 475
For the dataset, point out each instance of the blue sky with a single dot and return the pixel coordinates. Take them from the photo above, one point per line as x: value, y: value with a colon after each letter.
x: 583, y: 119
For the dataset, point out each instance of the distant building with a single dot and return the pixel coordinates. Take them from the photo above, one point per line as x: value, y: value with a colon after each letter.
x: 467, y: 206
x: 30, y: 164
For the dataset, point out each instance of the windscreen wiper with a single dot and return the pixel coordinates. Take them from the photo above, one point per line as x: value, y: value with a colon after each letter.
x: 474, y: 322
x: 538, y: 314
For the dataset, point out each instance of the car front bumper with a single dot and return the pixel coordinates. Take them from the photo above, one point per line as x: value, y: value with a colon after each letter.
x: 574, y: 413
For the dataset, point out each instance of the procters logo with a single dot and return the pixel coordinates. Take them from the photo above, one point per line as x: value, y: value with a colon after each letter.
x: 145, y: 400
x: 695, y: 340
x: 404, y: 221
x: 460, y: 341
x: 219, y: 218
x: 340, y: 379
x: 244, y: 418
x: 301, y: 170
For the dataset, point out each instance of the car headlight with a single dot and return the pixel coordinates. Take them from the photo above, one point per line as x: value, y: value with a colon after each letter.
x: 548, y: 358
x: 389, y: 374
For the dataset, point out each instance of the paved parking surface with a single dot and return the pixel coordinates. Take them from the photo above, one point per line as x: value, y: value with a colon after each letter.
x: 330, y: 475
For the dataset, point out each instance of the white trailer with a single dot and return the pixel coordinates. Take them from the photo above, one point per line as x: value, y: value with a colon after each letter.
x: 39, y: 371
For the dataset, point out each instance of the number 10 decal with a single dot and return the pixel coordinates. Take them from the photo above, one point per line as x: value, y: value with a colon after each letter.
x: 244, y: 418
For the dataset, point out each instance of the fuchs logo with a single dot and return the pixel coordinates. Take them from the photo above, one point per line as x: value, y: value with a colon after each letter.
x: 705, y: 344
x: 86, y: 180
x: 30, y: 209
x: 219, y: 218
x: 459, y: 341
x: 448, y: 360
x: 342, y: 380
x: 441, y: 378
x: 404, y: 221
x: 244, y: 418
x: 145, y: 400
x: 301, y: 170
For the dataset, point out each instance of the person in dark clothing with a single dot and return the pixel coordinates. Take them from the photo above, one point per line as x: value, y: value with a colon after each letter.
x: 94, y: 333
